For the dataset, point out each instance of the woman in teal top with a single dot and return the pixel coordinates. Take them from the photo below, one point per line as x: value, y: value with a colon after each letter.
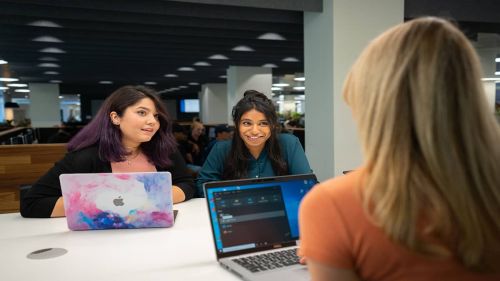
x: 257, y: 148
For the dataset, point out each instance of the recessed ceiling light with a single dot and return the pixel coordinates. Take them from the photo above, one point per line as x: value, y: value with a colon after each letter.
x: 271, y: 36
x: 4, y: 88
x: 299, y: 79
x: 49, y: 39
x: 61, y: 97
x: 17, y: 85
x: 48, y: 64
x: 48, y: 59
x: 281, y: 85
x: 22, y: 90
x: 186, y: 68
x: 171, y: 75
x: 299, y: 88
x: 55, y: 81
x: 218, y: 57
x: 51, y: 72
x: 202, y: 63
x: 52, y: 50
x: 44, y: 23
x: 269, y: 65
x: 497, y: 59
x: 149, y: 83
x: 243, y: 48
x: 223, y: 76
x: 194, y: 83
x: 174, y: 89
x: 5, y: 79
x: 106, y: 82
x: 3, y: 61
x: 276, y: 89
x: 183, y: 87
x: 497, y: 72
x: 290, y: 59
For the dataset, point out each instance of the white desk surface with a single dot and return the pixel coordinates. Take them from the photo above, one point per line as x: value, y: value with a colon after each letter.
x: 182, y: 252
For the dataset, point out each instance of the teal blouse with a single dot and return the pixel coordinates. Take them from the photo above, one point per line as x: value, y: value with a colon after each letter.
x: 292, y: 153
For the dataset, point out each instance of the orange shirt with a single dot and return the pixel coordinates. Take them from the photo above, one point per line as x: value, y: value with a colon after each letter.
x: 335, y: 231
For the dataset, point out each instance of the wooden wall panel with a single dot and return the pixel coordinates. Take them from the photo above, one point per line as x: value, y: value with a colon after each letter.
x: 24, y: 164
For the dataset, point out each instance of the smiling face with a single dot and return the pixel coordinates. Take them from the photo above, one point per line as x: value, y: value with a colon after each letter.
x: 254, y: 130
x: 138, y: 123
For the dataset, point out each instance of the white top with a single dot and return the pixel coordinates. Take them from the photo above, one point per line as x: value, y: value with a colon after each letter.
x: 183, y: 252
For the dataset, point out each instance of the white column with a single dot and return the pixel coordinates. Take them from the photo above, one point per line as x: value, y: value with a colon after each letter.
x: 44, y: 108
x: 487, y: 57
x: 333, y: 40
x: 242, y: 78
x: 213, y: 103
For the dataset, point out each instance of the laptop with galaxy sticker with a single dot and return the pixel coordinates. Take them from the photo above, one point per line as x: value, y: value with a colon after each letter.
x: 117, y: 200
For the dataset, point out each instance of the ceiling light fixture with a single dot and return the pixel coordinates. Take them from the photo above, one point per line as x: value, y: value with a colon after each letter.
x: 276, y: 89
x: 290, y: 59
x: 186, y: 68
x: 223, y: 76
x: 300, y: 79
x: 17, y: 85
x: 271, y: 36
x: 106, y: 82
x: 171, y: 75
x: 4, y: 88
x: 52, y: 50
x: 497, y: 59
x: 51, y: 72
x: 5, y: 79
x: 497, y: 72
x: 48, y: 59
x: 270, y: 65
x: 55, y: 81
x: 3, y: 61
x: 149, y: 83
x: 243, y: 48
x: 22, y: 90
x: 299, y: 88
x: 194, y: 83
x: 44, y: 23
x: 48, y: 39
x: 202, y: 63
x: 48, y: 64
x: 183, y: 87
x: 218, y: 57
x: 281, y: 85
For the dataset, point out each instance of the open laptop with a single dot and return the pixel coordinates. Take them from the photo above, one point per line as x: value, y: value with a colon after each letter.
x: 117, y: 200
x: 255, y: 221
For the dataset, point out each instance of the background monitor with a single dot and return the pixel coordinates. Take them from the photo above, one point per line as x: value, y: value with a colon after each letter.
x: 189, y: 105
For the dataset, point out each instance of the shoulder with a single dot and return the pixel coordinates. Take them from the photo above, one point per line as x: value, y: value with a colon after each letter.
x: 222, y: 146
x: 288, y: 140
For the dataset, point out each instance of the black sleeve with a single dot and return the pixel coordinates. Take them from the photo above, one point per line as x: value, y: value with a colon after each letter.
x: 41, y: 198
x: 181, y: 176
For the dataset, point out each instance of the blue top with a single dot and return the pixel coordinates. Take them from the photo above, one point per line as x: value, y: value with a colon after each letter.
x: 292, y: 153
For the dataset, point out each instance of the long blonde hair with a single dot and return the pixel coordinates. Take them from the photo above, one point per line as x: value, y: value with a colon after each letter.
x: 431, y: 145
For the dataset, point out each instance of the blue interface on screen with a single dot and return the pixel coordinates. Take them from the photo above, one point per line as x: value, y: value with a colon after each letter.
x: 269, y: 209
x: 190, y: 105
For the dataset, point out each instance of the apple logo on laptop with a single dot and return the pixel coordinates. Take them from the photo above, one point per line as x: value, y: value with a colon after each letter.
x: 118, y: 201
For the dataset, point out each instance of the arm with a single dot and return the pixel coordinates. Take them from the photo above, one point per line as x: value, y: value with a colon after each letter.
x: 213, y: 168
x: 320, y: 272
x: 296, y: 158
x: 182, y: 181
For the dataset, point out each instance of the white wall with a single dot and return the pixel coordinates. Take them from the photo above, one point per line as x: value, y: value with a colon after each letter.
x: 213, y: 103
x: 44, y: 109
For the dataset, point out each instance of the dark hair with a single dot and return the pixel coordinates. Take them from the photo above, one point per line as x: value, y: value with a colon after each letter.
x: 102, y: 132
x: 237, y: 160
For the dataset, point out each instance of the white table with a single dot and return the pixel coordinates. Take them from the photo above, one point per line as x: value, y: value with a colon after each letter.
x: 182, y: 252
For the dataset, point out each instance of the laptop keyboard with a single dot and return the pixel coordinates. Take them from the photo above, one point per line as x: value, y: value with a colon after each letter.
x: 267, y: 261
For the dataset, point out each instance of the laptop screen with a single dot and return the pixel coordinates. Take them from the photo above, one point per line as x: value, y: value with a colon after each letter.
x: 252, y: 214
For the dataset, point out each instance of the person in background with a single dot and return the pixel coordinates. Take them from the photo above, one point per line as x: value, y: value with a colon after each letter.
x: 425, y: 204
x: 130, y: 133
x: 222, y: 132
x: 182, y: 143
x: 257, y: 148
x: 198, y: 140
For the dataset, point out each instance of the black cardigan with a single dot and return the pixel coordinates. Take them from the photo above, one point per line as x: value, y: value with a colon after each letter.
x: 41, y: 198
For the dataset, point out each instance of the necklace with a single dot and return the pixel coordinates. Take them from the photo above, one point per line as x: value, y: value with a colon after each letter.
x: 131, y: 158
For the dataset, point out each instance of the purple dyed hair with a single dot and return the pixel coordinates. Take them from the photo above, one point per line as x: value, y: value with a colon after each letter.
x: 101, y: 131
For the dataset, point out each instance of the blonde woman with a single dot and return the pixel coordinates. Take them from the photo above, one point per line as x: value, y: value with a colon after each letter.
x: 426, y: 203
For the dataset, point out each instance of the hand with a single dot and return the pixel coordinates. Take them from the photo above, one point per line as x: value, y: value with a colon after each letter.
x: 303, y: 260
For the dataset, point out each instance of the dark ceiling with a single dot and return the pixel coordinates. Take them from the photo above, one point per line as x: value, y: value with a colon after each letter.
x: 133, y: 42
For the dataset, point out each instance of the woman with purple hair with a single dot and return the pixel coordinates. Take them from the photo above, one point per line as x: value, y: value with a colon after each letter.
x: 132, y: 132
